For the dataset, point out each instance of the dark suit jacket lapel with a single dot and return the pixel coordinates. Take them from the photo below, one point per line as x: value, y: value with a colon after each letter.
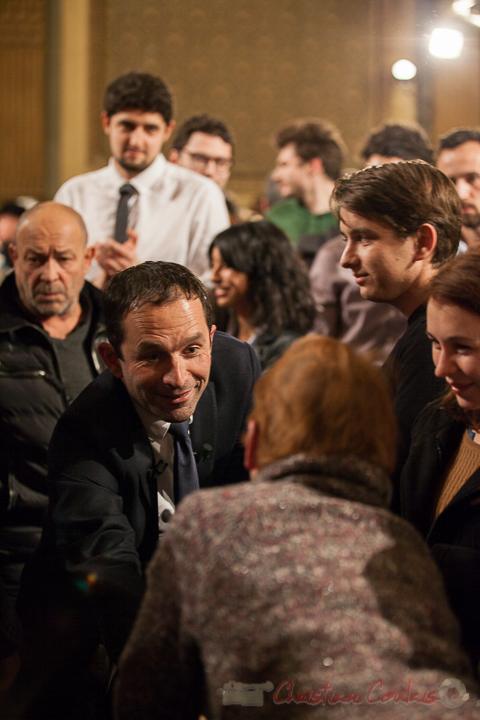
x: 133, y: 431
x: 203, y: 432
x: 138, y: 466
x: 143, y: 458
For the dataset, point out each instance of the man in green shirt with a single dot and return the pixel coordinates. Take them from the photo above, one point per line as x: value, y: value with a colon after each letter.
x: 310, y: 158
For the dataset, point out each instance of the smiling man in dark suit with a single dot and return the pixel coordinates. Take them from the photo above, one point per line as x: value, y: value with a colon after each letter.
x: 165, y: 419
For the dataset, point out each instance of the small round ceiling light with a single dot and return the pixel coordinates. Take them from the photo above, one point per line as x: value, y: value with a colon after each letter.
x: 404, y: 70
x: 446, y: 43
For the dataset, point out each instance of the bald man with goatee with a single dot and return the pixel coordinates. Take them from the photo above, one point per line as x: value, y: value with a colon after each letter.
x: 50, y: 326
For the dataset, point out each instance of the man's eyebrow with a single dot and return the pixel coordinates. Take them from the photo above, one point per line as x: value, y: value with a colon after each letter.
x: 358, y: 230
x: 194, y: 338
x: 36, y: 253
x: 43, y: 253
x: 146, y: 345
x: 363, y: 230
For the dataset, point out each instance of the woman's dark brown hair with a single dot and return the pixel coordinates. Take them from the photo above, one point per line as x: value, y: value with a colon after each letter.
x: 278, y: 283
x: 458, y: 282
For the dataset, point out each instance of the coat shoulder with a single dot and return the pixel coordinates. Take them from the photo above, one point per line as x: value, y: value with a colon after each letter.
x: 231, y: 357
x: 432, y: 419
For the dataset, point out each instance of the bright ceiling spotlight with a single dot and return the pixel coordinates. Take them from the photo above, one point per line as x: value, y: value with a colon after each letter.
x: 463, y: 7
x: 474, y: 19
x: 404, y: 70
x: 446, y: 43
x: 468, y: 9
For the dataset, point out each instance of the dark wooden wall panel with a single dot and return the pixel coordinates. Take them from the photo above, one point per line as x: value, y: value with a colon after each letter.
x: 22, y: 91
x: 255, y: 64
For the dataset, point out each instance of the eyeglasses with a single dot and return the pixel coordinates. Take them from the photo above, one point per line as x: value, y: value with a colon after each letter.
x: 200, y: 162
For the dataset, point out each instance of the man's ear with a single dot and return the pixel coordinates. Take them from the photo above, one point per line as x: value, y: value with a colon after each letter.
x: 168, y: 130
x: 316, y: 166
x: 110, y: 358
x: 173, y: 156
x: 425, y: 242
x: 89, y: 255
x: 251, y: 446
x: 212, y: 333
x: 12, y: 251
x: 105, y: 123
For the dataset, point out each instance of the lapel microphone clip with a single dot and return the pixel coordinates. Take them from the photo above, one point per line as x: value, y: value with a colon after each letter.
x: 204, y: 452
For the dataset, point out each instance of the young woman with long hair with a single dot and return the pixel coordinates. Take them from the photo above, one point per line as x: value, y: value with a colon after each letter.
x: 259, y: 278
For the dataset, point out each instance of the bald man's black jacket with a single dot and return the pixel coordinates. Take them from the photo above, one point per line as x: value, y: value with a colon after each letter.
x: 102, y: 524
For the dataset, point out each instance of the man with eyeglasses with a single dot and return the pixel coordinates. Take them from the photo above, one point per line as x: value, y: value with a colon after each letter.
x: 141, y: 207
x: 204, y: 144
x: 459, y: 158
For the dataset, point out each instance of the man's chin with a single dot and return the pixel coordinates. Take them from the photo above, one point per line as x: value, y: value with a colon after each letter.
x: 471, y: 220
x: 172, y: 416
x: 171, y: 412
x: 47, y: 309
x: 373, y: 294
x: 286, y: 192
x: 133, y: 167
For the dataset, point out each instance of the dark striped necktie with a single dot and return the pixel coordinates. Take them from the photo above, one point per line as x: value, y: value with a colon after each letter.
x: 185, y: 474
x: 121, y: 220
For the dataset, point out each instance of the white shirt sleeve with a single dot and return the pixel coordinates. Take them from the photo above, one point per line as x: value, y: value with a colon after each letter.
x: 210, y: 219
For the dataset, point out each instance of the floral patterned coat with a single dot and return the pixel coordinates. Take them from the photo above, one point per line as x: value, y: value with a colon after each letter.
x: 296, y: 595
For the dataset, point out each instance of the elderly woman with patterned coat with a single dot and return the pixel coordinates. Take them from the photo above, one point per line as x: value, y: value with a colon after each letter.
x: 298, y: 594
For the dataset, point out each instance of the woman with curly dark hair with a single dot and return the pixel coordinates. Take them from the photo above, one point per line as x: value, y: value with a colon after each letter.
x: 258, y: 277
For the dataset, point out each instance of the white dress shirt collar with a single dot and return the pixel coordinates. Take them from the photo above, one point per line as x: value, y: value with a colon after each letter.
x: 156, y: 429
x: 145, y: 179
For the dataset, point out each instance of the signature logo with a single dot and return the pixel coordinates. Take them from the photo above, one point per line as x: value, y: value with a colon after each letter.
x: 452, y: 693
x: 237, y: 693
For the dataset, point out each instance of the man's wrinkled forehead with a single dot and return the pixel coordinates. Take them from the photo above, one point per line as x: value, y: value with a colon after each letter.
x: 139, y: 308
x: 45, y: 242
x: 51, y: 222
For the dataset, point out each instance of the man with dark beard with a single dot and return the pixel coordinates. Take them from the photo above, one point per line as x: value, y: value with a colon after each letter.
x: 459, y: 158
x: 141, y: 207
x: 50, y: 325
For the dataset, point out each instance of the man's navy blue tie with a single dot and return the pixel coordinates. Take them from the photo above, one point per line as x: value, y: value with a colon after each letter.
x: 121, y: 220
x: 185, y: 474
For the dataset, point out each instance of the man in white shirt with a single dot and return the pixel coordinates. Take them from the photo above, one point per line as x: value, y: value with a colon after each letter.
x: 141, y: 207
